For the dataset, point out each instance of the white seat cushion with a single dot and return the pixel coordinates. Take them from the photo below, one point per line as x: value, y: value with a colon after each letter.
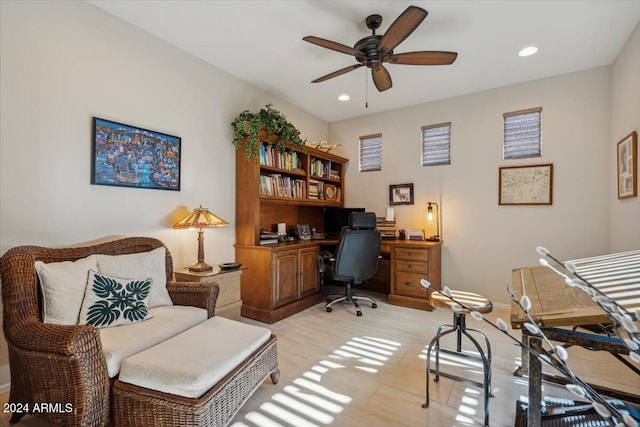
x: 121, y: 342
x: 192, y: 362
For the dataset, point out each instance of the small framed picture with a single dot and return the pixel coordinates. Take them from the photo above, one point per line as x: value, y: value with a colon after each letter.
x: 628, y: 166
x: 401, y: 194
x: 304, y: 232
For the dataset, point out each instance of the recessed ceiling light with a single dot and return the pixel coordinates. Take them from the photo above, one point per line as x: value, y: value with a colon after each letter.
x: 528, y: 51
x: 344, y: 97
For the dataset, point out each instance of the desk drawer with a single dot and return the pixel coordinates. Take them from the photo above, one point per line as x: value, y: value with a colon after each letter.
x: 408, y: 284
x: 418, y: 254
x: 411, y: 266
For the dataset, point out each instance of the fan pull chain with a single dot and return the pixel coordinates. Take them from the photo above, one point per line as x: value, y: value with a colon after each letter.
x: 366, y: 88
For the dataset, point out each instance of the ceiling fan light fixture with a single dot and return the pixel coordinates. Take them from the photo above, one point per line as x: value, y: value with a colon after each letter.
x: 344, y: 97
x: 528, y: 51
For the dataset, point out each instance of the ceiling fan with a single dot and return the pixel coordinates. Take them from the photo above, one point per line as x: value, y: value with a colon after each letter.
x: 374, y: 50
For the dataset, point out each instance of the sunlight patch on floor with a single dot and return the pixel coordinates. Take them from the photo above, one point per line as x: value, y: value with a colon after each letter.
x: 309, y: 411
x: 306, y: 402
x: 314, y: 399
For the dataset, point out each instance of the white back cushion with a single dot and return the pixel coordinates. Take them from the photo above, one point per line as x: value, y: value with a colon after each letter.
x: 140, y: 266
x: 63, y: 285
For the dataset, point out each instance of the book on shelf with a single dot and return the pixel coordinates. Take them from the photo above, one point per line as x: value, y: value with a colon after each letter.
x: 323, y: 169
x: 268, y: 241
x: 282, y: 186
x: 316, y: 188
x: 266, y: 234
x: 386, y: 228
x: 287, y: 160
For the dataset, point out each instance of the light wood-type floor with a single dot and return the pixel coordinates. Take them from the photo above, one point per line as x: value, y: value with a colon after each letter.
x: 338, y: 369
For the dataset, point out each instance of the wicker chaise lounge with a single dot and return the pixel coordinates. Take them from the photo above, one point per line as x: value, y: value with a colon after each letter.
x: 64, y: 366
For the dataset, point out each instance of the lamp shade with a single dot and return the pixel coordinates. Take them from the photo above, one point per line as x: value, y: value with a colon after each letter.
x: 201, y: 218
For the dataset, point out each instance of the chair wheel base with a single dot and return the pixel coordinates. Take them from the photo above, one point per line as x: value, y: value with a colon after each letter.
x: 358, y: 313
x: 329, y: 309
x: 374, y: 305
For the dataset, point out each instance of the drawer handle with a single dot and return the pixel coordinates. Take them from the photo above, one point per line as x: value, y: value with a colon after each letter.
x: 409, y: 266
x: 409, y: 253
x: 409, y: 284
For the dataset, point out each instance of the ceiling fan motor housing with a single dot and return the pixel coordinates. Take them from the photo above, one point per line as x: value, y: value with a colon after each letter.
x: 369, y: 47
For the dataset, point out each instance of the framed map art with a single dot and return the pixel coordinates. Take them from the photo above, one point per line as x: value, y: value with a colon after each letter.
x: 526, y: 185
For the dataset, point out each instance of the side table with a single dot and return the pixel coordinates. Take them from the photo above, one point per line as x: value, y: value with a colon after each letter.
x: 229, y: 302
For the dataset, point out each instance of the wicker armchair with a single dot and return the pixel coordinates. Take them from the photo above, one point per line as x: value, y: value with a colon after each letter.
x: 64, y: 363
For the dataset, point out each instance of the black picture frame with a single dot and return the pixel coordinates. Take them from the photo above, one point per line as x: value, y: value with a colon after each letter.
x: 401, y: 194
x: 304, y: 232
x: 129, y: 156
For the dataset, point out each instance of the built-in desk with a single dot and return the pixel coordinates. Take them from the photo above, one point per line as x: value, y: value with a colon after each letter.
x: 283, y: 279
x: 411, y: 261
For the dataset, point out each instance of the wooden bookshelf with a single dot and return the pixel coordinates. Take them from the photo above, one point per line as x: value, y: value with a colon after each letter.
x: 293, y: 188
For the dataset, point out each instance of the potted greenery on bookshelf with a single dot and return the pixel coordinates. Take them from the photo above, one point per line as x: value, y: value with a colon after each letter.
x: 280, y: 131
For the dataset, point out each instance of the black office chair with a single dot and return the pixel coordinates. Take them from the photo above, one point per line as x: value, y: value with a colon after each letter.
x: 356, y: 258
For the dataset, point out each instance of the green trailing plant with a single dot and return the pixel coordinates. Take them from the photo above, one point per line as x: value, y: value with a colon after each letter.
x: 248, y: 125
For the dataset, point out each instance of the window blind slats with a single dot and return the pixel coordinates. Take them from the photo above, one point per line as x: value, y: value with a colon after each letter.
x: 522, y: 134
x: 436, y: 147
x: 370, y: 153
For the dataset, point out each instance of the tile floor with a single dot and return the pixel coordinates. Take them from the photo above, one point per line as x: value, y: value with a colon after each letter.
x: 338, y: 369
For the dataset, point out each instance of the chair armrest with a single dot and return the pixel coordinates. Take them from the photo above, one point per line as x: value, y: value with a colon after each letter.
x: 65, y: 340
x: 195, y: 294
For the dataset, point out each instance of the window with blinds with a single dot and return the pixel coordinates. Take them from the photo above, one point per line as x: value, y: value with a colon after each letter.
x: 371, y: 153
x: 522, y: 134
x: 436, y: 144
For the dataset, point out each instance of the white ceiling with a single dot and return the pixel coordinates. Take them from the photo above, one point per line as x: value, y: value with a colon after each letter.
x: 261, y: 43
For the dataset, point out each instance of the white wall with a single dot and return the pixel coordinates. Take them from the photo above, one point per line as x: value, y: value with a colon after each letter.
x: 624, y: 226
x: 64, y: 62
x: 485, y: 241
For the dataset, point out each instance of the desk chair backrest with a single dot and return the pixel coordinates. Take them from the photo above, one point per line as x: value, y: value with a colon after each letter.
x: 356, y: 258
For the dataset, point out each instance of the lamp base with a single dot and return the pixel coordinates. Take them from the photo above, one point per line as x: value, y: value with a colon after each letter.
x: 201, y: 266
x: 433, y: 239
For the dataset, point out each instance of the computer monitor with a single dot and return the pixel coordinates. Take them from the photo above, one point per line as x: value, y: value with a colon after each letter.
x: 337, y: 218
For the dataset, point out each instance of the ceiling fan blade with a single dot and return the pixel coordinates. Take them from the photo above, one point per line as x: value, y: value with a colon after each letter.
x: 424, y: 58
x: 328, y: 44
x: 400, y: 29
x: 381, y: 78
x: 337, y: 73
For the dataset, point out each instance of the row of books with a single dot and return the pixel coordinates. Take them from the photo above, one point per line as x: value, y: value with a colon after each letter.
x: 386, y: 228
x: 322, y: 168
x: 316, y: 188
x: 269, y: 156
x: 282, y: 186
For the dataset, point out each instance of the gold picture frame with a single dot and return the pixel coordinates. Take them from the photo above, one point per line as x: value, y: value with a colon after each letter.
x: 627, y: 160
x: 526, y: 185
